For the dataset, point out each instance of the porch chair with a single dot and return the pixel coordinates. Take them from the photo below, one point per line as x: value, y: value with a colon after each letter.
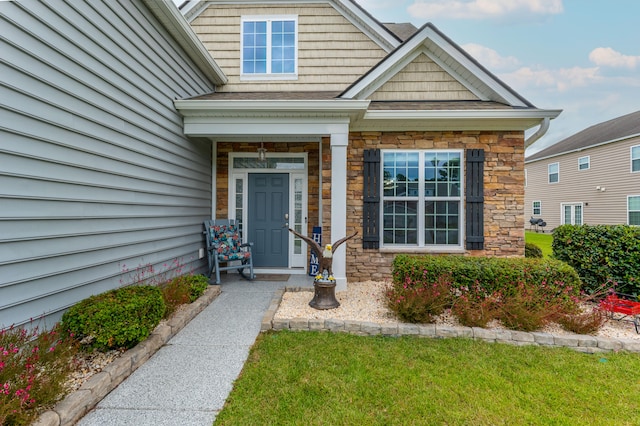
x: 225, y: 247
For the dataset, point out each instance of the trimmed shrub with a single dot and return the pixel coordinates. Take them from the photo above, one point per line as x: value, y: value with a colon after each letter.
x: 524, y: 294
x: 602, y: 255
x: 119, y: 318
x: 532, y: 250
x: 491, y: 274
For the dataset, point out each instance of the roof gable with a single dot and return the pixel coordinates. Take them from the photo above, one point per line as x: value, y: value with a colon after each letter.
x: 450, y: 57
x: 422, y: 79
x: 598, y: 134
x: 353, y: 12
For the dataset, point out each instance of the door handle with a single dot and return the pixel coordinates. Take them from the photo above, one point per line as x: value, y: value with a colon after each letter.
x: 286, y: 216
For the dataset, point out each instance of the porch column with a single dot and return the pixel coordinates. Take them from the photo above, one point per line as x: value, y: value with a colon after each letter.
x: 339, y: 142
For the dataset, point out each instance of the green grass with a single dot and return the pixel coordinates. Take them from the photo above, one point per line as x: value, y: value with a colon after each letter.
x: 541, y: 240
x: 320, y: 378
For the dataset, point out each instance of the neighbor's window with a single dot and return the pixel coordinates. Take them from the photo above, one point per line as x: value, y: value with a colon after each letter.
x: 635, y: 158
x: 554, y: 172
x: 269, y: 46
x: 572, y: 214
x: 537, y: 208
x: 634, y: 210
x: 422, y: 198
x: 583, y: 163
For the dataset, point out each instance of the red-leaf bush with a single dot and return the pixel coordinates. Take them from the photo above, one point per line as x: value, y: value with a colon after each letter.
x: 33, y: 369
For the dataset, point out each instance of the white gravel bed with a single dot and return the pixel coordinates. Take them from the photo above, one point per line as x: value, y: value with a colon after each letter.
x: 364, y: 301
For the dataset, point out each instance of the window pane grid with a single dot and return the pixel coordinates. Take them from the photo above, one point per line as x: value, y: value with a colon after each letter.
x: 441, y: 222
x: 269, y: 47
x: 537, y: 208
x: 422, y: 198
x: 400, y: 222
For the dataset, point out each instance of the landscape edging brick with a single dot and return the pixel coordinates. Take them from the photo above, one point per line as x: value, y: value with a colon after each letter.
x: 577, y: 342
x: 78, y: 403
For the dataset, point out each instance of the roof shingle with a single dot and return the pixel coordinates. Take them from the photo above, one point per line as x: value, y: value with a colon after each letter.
x: 607, y: 131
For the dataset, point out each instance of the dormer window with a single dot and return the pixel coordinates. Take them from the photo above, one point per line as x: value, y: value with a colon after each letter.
x: 269, y: 47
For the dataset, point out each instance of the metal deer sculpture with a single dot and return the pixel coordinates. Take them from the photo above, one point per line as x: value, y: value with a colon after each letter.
x: 325, y: 256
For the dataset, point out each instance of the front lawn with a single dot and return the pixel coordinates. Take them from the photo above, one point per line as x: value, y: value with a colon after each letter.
x: 320, y: 378
x: 541, y: 240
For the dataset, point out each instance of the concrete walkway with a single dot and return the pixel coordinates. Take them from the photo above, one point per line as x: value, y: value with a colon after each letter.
x: 189, y: 379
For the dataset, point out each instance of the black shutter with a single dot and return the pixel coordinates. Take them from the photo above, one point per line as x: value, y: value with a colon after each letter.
x: 371, y: 198
x: 475, y: 199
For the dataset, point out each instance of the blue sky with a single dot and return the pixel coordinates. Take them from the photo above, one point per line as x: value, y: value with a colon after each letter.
x: 581, y: 56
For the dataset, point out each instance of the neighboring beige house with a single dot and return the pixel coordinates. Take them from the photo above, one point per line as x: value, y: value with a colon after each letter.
x: 402, y: 136
x: 592, y: 177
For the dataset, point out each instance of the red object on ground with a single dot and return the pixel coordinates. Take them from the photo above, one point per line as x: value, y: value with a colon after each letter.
x: 614, y: 303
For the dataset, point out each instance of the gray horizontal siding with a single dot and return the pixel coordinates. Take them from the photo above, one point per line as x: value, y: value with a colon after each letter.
x: 97, y: 179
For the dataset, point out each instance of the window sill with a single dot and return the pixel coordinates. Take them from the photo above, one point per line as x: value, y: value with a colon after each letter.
x: 423, y: 250
x: 268, y: 77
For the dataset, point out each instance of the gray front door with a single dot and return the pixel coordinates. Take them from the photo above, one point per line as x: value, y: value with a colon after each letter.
x: 268, y: 201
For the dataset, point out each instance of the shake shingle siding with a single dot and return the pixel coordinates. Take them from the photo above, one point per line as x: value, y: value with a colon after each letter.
x: 96, y: 176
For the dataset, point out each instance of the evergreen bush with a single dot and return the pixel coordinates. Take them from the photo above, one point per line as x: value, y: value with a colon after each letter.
x: 119, y: 318
x: 602, y: 255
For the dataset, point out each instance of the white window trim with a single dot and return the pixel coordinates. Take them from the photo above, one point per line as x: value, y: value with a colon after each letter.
x: 420, y: 247
x: 549, y: 173
x: 573, y: 215
x: 588, y: 163
x: 631, y: 159
x: 268, y: 76
x: 628, y: 211
x: 533, y: 208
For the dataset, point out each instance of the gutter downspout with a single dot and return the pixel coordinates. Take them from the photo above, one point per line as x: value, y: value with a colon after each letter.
x: 544, y: 126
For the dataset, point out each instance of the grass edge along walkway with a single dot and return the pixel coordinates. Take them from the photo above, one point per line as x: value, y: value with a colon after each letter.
x: 320, y: 378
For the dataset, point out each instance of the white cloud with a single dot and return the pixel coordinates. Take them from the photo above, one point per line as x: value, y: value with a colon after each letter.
x: 561, y: 80
x: 482, y: 9
x: 607, y: 57
x: 490, y: 58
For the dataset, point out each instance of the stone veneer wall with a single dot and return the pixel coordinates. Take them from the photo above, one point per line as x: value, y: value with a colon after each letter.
x: 503, y: 192
x: 503, y: 188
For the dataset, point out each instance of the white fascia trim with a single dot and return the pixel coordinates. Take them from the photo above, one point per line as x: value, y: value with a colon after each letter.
x: 460, y: 114
x: 485, y: 78
x: 169, y: 15
x: 334, y: 106
x: 377, y: 77
x: 389, y: 72
x: 463, y: 120
x: 372, y: 28
x: 264, y: 127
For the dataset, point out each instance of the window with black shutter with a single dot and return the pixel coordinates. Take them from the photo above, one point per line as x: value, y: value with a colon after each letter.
x: 475, y: 199
x: 412, y: 198
x: 371, y: 196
